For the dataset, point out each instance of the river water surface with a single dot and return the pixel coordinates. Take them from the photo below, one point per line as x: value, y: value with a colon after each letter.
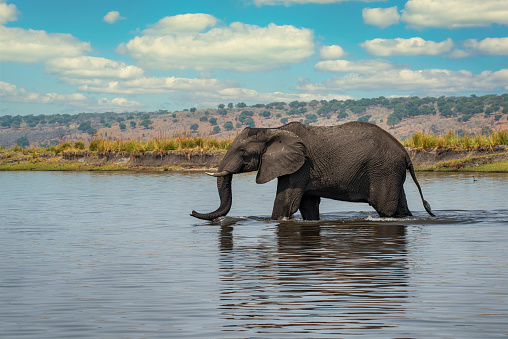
x: 116, y: 255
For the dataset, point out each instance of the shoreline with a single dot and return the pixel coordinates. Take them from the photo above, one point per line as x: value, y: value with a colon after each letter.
x: 491, y: 159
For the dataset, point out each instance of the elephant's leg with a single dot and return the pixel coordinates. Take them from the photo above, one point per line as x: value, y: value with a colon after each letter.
x: 288, y: 198
x: 384, y: 197
x: 402, y: 209
x: 309, y: 207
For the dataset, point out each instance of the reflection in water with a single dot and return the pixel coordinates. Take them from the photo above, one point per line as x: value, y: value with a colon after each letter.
x: 116, y: 255
x: 321, y: 277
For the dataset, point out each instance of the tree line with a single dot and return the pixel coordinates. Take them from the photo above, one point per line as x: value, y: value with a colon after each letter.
x: 402, y: 107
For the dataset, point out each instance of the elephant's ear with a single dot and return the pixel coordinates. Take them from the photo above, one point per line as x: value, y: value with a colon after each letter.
x: 284, y: 154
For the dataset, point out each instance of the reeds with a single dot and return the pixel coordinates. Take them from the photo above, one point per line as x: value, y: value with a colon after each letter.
x: 452, y: 140
x: 177, y: 142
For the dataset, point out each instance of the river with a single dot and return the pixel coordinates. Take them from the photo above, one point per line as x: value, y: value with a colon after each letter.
x: 116, y: 255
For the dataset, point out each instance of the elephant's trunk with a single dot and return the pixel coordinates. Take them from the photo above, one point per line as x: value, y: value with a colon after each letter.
x: 226, y: 199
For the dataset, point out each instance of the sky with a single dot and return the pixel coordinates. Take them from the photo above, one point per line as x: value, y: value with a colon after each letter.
x: 60, y: 56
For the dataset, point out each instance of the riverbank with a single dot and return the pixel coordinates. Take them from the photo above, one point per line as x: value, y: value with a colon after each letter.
x: 489, y: 159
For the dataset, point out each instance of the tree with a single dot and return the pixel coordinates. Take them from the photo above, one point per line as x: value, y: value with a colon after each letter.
x: 241, y: 105
x: 146, y: 123
x: 221, y: 106
x: 393, y: 120
x: 194, y: 127
x: 193, y: 109
x: 216, y: 130
x: 228, y: 126
x: 266, y: 114
x: 365, y: 118
x: 122, y: 126
x: 310, y: 118
x: 249, y: 122
x: 133, y: 124
x: 230, y: 105
x: 212, y: 121
x: 23, y: 142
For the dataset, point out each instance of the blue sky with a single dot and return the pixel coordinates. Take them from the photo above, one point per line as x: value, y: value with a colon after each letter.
x: 60, y: 56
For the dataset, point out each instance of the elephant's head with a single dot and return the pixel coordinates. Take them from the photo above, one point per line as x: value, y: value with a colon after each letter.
x: 270, y: 151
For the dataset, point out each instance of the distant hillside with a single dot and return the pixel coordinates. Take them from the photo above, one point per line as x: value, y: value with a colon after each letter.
x: 400, y: 116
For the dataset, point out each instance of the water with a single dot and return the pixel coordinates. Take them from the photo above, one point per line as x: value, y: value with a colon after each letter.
x: 116, y: 255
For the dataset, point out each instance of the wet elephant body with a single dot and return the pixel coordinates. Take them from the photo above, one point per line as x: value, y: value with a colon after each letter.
x: 356, y: 161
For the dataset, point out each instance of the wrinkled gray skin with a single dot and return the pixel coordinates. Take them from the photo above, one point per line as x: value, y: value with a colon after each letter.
x: 356, y: 161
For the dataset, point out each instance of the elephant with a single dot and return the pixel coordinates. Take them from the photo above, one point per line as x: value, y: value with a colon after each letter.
x: 354, y: 161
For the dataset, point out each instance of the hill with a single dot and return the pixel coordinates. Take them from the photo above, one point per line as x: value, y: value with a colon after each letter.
x: 400, y: 116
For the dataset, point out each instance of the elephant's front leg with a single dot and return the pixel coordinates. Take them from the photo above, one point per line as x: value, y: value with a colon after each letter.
x: 288, y: 198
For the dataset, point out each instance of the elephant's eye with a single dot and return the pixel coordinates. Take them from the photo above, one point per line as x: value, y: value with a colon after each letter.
x: 243, y: 151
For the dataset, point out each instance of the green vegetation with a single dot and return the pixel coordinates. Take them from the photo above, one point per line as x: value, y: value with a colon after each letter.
x: 485, y: 163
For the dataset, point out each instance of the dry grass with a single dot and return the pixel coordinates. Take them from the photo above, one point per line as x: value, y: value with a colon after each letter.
x: 453, y: 141
x: 178, y: 142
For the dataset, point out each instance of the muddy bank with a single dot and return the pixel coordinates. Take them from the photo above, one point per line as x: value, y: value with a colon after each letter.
x: 430, y: 157
x: 210, y: 159
x: 184, y: 160
x: 423, y: 159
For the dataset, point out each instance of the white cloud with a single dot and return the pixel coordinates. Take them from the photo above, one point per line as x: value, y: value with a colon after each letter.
x: 152, y: 85
x: 362, y: 66
x: 237, y: 47
x: 212, y: 98
x: 113, y: 17
x: 29, y: 46
x: 75, y: 70
x: 116, y: 105
x: 11, y: 93
x: 7, y: 13
x: 455, y: 13
x: 182, y: 23
x: 413, y: 46
x: 381, y: 17
x: 293, y: 2
x: 419, y: 82
x: 331, y: 52
x: 489, y: 46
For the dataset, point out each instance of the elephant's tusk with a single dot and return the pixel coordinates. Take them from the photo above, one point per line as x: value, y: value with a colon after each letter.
x: 218, y: 174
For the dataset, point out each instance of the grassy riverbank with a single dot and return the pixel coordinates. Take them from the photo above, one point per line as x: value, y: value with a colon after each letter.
x: 453, y: 141
x: 463, y: 153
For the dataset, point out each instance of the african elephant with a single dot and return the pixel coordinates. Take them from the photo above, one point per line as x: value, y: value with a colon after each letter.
x: 356, y: 161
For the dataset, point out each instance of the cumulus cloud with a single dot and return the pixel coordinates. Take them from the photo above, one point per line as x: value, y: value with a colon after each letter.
x: 331, y: 52
x: 182, y: 23
x: 239, y: 47
x: 31, y: 46
x: 489, y: 46
x: 413, y: 46
x: 381, y: 17
x: 152, y: 85
x: 455, y: 13
x: 236, y: 94
x: 362, y: 66
x: 113, y: 17
x: 75, y: 70
x: 419, y: 82
x: 100, y: 75
x: 11, y: 93
x: 7, y: 13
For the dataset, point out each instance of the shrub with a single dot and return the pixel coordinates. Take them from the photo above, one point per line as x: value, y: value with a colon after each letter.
x: 79, y: 145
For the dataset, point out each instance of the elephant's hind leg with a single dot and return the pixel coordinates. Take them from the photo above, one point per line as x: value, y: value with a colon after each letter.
x: 385, y: 200
x: 309, y: 207
x: 402, y: 209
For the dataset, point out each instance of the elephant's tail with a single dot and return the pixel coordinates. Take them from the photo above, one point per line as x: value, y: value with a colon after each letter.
x: 413, y: 175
